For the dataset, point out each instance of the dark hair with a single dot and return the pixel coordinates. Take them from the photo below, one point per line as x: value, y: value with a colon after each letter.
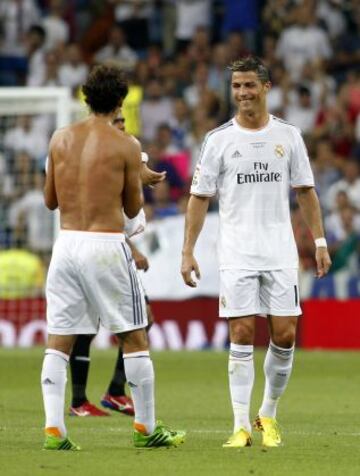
x: 37, y: 30
x: 105, y: 89
x: 251, y: 63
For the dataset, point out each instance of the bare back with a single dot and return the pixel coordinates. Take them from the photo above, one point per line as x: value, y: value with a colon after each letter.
x: 93, y: 174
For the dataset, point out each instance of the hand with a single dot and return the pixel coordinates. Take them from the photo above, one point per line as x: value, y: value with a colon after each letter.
x: 141, y: 261
x: 188, y: 265
x: 150, y: 177
x: 323, y: 261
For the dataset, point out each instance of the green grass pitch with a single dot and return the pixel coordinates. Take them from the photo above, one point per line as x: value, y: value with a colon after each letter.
x: 319, y: 415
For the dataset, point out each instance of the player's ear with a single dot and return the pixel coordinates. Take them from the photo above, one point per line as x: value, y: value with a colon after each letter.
x: 267, y: 86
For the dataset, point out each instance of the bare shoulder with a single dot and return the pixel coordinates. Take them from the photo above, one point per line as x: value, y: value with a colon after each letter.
x: 130, y: 145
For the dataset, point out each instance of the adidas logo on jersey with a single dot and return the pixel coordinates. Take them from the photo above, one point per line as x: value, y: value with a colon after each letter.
x: 236, y: 155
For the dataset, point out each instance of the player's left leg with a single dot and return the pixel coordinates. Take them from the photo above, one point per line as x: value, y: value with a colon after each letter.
x: 140, y: 376
x: 115, y: 398
x: 280, y: 300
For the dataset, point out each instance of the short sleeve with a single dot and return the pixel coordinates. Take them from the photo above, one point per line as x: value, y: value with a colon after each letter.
x: 300, y: 170
x: 206, y: 173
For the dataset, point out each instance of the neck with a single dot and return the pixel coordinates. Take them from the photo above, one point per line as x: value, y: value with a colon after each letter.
x: 107, y: 118
x: 253, y: 120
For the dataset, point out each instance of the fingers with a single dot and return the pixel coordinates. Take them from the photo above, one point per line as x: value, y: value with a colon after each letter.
x: 187, y: 269
x: 323, y: 263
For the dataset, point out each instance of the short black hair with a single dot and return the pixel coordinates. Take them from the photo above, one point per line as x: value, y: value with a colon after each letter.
x: 251, y: 63
x: 105, y: 88
x: 37, y: 30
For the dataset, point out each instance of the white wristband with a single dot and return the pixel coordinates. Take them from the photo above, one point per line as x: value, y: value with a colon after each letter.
x: 144, y: 158
x: 320, y: 243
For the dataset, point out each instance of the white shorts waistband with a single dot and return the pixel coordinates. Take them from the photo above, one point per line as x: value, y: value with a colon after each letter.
x: 92, y: 235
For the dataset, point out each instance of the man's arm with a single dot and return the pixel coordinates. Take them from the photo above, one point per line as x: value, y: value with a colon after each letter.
x: 132, y: 192
x: 141, y: 261
x: 50, y: 196
x: 311, y: 212
x: 194, y: 221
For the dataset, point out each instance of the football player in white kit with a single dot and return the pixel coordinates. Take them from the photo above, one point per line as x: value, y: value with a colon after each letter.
x: 251, y: 162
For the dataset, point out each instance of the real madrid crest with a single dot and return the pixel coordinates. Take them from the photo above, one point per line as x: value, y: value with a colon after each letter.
x: 279, y: 151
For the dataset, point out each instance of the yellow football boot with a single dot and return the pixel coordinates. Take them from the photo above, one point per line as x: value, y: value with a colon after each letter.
x: 270, y: 431
x: 240, y: 439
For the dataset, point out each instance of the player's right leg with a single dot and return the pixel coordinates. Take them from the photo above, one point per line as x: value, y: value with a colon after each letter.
x: 241, y: 378
x: 53, y: 383
x: 140, y: 377
x: 238, y: 303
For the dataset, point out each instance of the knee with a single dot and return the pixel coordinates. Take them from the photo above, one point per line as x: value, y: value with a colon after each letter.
x: 284, y: 338
x: 241, y: 332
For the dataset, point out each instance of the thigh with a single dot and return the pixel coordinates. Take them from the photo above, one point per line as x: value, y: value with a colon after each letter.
x: 113, y: 286
x: 279, y: 293
x: 239, y: 293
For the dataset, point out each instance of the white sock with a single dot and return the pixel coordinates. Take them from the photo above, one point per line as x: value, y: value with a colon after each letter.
x: 277, y: 368
x: 139, y: 373
x: 53, y: 383
x: 241, y: 380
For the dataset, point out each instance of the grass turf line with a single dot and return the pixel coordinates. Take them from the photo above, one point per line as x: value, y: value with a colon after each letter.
x: 318, y: 416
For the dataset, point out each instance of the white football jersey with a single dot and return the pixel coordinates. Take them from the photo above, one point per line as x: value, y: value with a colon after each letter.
x: 252, y: 171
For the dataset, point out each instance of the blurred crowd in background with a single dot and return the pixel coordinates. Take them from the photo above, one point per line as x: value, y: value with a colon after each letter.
x: 176, y: 54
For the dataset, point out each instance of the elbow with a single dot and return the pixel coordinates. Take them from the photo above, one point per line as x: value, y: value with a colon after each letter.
x: 133, y: 210
x: 51, y: 204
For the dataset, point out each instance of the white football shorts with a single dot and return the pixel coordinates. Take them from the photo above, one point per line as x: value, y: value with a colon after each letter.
x: 246, y: 293
x: 92, y: 278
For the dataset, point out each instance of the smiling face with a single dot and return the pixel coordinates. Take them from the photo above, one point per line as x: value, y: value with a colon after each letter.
x: 249, y: 92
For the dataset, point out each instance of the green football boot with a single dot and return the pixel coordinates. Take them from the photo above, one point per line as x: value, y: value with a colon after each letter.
x: 58, y: 443
x: 160, y: 437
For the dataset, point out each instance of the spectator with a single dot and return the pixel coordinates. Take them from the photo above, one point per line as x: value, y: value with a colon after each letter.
x: 181, y: 123
x: 325, y: 169
x: 241, y: 15
x: 344, y: 250
x: 16, y: 18
x: 52, y: 70
x: 117, y: 49
x: 155, y: 109
x: 192, y: 93
x: 157, y: 162
x: 25, y: 137
x: 199, y: 49
x: 332, y: 17
x: 219, y: 74
x: 236, y: 46
x: 135, y: 17
x: 302, y: 114
x: 35, y: 41
x: 74, y: 71
x: 334, y: 223
x: 189, y: 16
x: 314, y: 42
x: 350, y: 184
x: 162, y: 204
x: 30, y: 218
x: 57, y: 30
